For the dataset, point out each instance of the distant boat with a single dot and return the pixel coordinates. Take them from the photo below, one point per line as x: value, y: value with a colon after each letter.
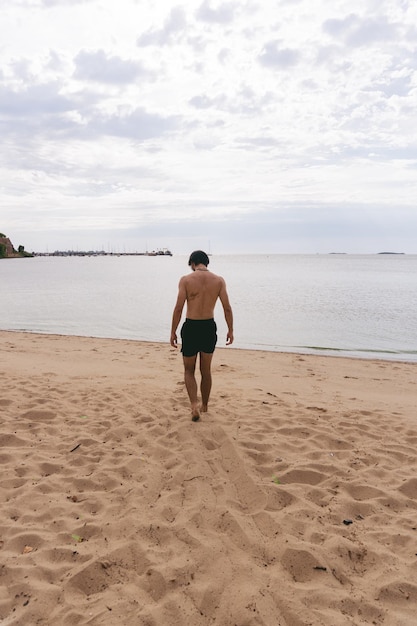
x: 163, y: 252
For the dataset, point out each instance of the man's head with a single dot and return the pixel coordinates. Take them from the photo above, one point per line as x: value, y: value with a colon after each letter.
x: 198, y: 257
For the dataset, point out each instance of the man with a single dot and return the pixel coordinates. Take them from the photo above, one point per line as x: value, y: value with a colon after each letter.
x: 200, y: 290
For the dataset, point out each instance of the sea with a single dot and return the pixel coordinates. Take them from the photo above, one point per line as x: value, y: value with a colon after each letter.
x: 337, y: 304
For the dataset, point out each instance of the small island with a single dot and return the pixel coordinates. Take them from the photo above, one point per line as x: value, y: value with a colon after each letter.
x: 7, y: 250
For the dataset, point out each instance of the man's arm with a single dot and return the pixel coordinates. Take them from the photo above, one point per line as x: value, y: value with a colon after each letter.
x: 228, y: 313
x: 176, y: 316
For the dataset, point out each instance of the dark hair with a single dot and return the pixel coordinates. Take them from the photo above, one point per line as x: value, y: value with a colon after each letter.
x: 197, y: 257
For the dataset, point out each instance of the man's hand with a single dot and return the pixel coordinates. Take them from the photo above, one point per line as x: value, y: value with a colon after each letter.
x: 174, y: 340
x: 229, y: 338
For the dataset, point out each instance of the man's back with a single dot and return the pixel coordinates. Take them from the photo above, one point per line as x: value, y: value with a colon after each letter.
x: 202, y: 288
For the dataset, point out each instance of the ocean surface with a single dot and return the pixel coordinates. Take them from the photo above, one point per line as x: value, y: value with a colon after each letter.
x: 348, y: 305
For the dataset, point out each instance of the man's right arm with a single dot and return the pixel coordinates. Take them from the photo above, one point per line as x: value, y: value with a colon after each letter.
x: 228, y: 313
x: 176, y: 316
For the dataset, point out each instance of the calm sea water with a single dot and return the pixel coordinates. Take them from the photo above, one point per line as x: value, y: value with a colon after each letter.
x: 333, y: 304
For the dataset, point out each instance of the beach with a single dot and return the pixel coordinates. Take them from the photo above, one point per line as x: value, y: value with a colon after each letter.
x: 293, y: 502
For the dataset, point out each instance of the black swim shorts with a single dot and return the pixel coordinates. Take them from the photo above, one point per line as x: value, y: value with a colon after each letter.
x: 198, y: 336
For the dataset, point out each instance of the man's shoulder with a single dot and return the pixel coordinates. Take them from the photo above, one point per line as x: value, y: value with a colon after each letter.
x: 189, y: 278
x: 215, y: 278
x: 215, y: 275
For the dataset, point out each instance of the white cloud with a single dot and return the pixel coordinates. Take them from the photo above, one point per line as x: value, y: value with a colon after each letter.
x: 174, y: 25
x: 97, y: 66
x: 356, y: 31
x: 138, y: 125
x: 221, y: 14
x: 276, y: 55
x: 28, y: 4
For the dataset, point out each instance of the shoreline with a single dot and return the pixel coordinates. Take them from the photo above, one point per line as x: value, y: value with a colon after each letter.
x: 296, y: 492
x: 358, y: 354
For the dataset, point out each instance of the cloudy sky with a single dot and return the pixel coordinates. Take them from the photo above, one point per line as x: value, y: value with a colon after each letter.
x: 239, y: 126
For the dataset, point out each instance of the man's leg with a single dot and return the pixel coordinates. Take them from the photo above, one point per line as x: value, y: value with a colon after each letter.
x: 191, y: 385
x: 205, y: 369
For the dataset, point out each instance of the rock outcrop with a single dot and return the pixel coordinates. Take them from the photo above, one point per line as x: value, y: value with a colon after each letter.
x: 7, y: 250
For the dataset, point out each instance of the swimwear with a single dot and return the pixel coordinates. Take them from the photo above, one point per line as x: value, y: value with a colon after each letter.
x: 198, y: 336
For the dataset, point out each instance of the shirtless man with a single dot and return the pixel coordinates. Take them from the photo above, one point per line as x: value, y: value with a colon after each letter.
x: 200, y: 290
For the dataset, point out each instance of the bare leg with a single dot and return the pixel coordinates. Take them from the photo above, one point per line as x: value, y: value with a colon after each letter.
x: 205, y: 369
x: 191, y: 385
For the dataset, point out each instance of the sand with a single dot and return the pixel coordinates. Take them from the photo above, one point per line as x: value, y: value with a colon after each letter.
x: 293, y: 501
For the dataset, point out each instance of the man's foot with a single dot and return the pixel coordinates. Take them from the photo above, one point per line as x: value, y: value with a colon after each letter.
x: 195, y: 413
x: 204, y: 408
x: 195, y: 416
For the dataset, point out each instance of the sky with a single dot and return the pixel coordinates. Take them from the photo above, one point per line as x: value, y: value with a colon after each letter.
x: 244, y: 126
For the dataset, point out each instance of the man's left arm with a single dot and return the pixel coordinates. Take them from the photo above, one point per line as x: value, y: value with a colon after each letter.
x: 228, y: 313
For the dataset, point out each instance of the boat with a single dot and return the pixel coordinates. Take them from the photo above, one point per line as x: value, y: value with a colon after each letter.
x: 163, y: 252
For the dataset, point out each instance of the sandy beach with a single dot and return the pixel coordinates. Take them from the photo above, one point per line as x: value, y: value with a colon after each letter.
x: 293, y: 502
